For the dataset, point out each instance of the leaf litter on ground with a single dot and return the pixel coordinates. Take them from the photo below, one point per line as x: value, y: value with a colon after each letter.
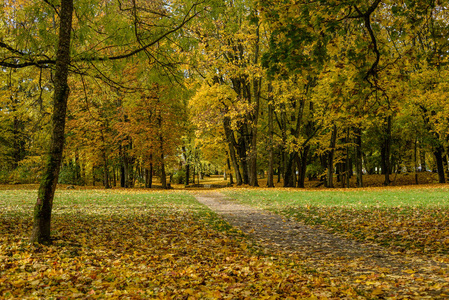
x: 143, y: 245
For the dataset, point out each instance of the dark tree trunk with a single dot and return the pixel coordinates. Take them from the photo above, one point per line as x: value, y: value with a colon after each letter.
x: 163, y: 175
x: 270, y: 179
x: 187, y: 174
x: 114, y: 175
x: 18, y: 142
x: 415, y: 156
x: 440, y: 165
x: 242, y: 149
x: 150, y: 176
x: 78, y: 178
x: 348, y: 166
x: 232, y: 145
x: 105, y: 164
x: 256, y: 85
x: 422, y: 158
x: 290, y: 176
x: 130, y: 172
x: 387, y: 152
x: 44, y: 203
x: 330, y: 158
x: 161, y: 148
x: 358, y: 156
x: 122, y: 176
x: 303, y: 167
x: 94, y: 179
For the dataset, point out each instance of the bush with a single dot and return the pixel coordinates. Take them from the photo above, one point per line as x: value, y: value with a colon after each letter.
x: 70, y: 174
x: 179, y: 177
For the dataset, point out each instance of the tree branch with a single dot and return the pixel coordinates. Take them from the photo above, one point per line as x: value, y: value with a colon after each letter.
x: 44, y: 63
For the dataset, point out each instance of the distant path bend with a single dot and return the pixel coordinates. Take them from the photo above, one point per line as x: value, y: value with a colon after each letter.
x: 330, y: 253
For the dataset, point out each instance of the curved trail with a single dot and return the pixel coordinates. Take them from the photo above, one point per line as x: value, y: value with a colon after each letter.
x: 368, y: 267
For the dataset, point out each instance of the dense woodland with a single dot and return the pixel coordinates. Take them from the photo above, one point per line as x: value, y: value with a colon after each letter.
x: 168, y: 89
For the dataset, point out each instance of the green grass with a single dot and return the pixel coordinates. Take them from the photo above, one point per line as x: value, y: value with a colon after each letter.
x: 109, y: 202
x: 406, y: 220
x: 22, y: 201
x: 429, y: 197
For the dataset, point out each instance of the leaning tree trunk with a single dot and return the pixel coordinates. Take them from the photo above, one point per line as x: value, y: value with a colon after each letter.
x: 44, y: 203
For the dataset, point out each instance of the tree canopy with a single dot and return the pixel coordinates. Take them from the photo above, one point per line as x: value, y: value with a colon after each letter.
x: 162, y: 89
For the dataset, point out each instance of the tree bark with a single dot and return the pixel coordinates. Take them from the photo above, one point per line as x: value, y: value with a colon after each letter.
x: 303, y: 167
x: 440, y: 165
x: 348, y: 166
x: 255, y: 118
x: 150, y: 176
x: 387, y: 152
x: 415, y: 157
x: 289, y: 178
x: 105, y: 163
x: 44, y: 203
x: 242, y: 150
x: 270, y: 179
x: 231, y: 145
x: 358, y: 156
x: 330, y: 158
x: 161, y: 147
x: 231, y: 180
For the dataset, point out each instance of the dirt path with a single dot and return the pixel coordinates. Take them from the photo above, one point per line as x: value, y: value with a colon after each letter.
x: 369, y: 268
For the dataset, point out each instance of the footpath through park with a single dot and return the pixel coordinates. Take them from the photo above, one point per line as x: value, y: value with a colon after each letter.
x: 367, y: 267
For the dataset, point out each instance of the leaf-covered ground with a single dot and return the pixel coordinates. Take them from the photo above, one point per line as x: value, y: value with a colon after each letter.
x: 134, y: 245
x: 412, y: 220
x: 376, y: 271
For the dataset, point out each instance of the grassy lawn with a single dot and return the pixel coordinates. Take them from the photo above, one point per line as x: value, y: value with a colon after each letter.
x: 140, y: 245
x: 413, y: 220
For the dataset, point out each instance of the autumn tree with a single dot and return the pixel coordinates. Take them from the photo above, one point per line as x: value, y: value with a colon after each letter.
x: 228, y: 60
x: 138, y: 28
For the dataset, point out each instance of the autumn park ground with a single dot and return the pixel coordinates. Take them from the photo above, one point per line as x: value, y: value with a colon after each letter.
x: 371, y: 243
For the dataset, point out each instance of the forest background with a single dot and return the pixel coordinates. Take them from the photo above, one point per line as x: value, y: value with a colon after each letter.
x: 300, y: 89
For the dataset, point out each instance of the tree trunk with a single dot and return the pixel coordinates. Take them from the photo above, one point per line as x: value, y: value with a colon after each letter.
x: 415, y: 156
x: 330, y: 158
x: 163, y: 175
x: 303, y: 167
x: 270, y: 178
x: 231, y: 145
x: 44, y: 203
x: 231, y: 180
x: 105, y: 164
x: 440, y: 165
x: 387, y: 152
x: 150, y: 176
x: 242, y: 149
x: 358, y: 156
x: 256, y: 85
x: 348, y: 166
x: 422, y: 158
x: 253, y: 158
x: 162, y: 160
x: 114, y: 176
x: 122, y: 176
x: 187, y: 174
